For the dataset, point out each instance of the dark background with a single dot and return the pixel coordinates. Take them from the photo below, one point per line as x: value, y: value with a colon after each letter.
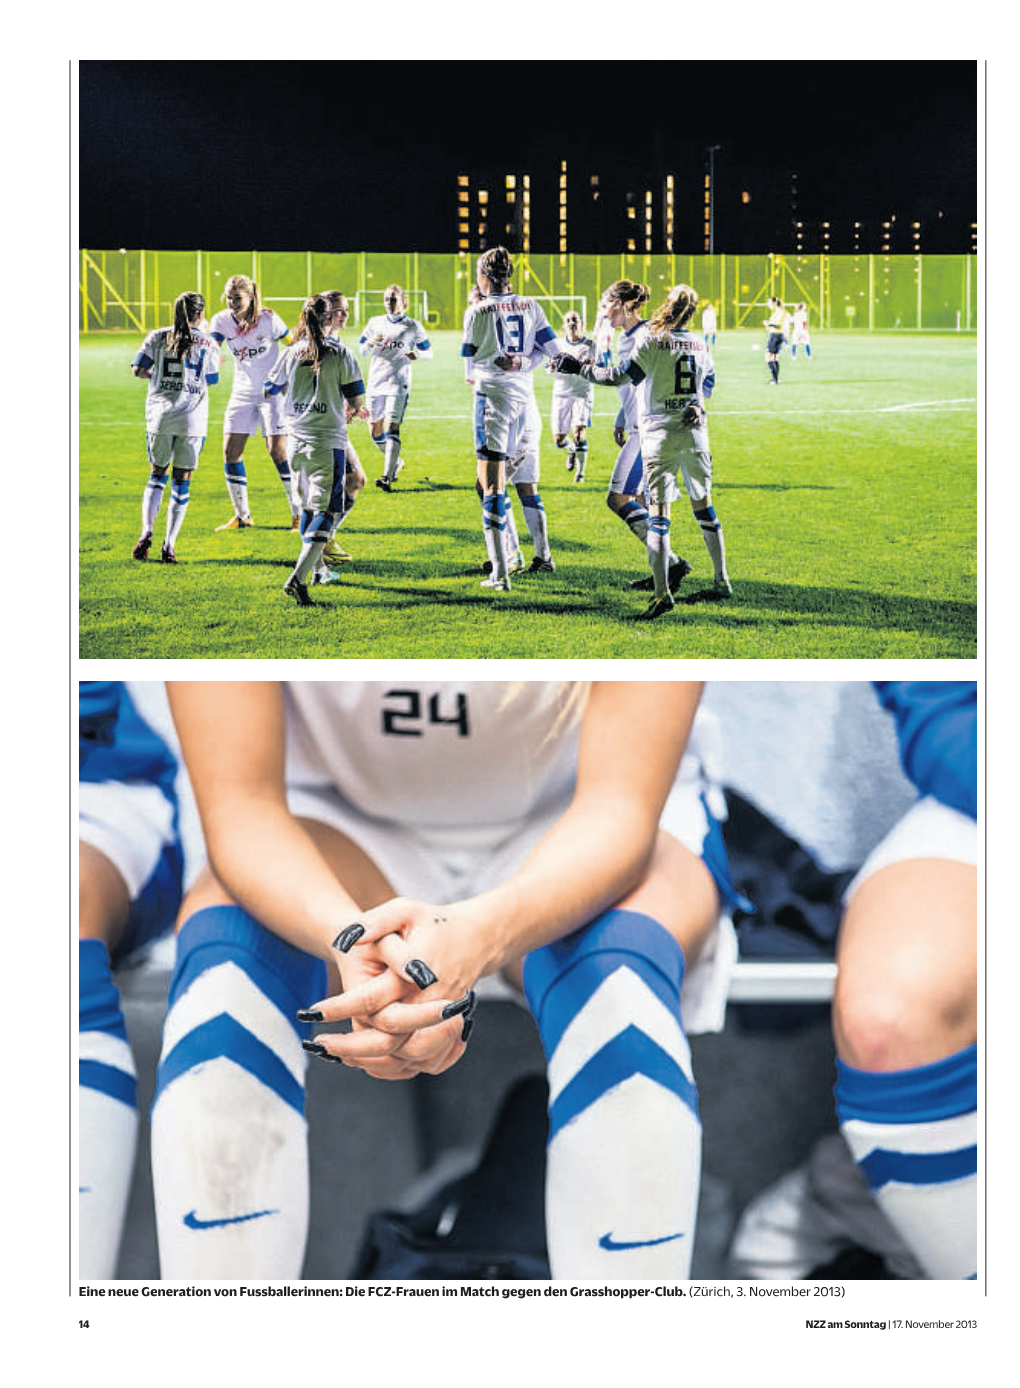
x: 365, y: 155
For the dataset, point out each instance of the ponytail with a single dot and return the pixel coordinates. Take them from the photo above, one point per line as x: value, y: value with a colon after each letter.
x: 188, y: 308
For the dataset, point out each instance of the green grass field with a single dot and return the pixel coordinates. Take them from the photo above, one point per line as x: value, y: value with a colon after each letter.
x: 848, y: 498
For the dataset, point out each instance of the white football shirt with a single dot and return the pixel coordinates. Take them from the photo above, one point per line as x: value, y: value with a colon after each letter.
x: 255, y: 352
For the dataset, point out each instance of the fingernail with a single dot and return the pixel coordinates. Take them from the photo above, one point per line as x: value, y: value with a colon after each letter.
x: 348, y: 937
x: 466, y: 1028
x: 314, y: 1048
x: 309, y: 1014
x: 454, y: 1009
x: 420, y: 973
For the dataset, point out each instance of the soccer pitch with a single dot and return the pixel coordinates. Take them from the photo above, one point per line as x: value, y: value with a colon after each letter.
x: 847, y: 495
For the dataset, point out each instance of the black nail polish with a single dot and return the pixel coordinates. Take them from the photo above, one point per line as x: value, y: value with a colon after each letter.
x: 419, y: 973
x: 349, y: 937
x: 464, y: 1004
x: 466, y: 1029
x: 308, y: 1014
x: 314, y: 1048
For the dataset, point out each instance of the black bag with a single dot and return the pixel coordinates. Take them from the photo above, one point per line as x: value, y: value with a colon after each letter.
x: 486, y: 1225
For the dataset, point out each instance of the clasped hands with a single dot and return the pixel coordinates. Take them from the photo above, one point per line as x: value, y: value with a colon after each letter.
x: 408, y: 992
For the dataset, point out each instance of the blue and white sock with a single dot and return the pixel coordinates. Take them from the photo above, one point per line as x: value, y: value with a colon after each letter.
x: 237, y: 487
x: 712, y: 534
x: 494, y: 532
x: 624, y: 1156
x: 180, y: 494
x: 392, y: 455
x: 657, y: 544
x: 636, y: 516
x: 913, y: 1133
x: 152, y: 500
x: 107, y: 1114
x: 537, y: 523
x: 286, y: 475
x: 581, y: 455
x: 229, y: 1137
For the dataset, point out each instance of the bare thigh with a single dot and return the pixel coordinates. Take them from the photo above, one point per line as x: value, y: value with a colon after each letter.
x: 678, y: 891
x: 104, y: 902
x: 351, y: 866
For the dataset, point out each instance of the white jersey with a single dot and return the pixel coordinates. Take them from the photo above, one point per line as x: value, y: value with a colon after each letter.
x: 178, y: 399
x: 315, y: 403
x: 575, y: 387
x: 627, y: 416
x: 669, y: 372
x: 255, y: 352
x: 422, y: 754
x: 504, y: 325
x: 800, y: 327
x: 388, y: 339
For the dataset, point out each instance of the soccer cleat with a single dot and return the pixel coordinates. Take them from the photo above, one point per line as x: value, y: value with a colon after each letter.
x: 237, y: 523
x: 516, y: 565
x: 384, y: 484
x: 498, y: 585
x: 167, y: 555
x: 658, y: 607
x: 142, y: 547
x: 295, y: 522
x: 571, y: 460
x: 678, y: 571
x: 325, y: 575
x: 295, y: 589
x: 333, y: 554
x: 578, y: 476
x: 541, y: 566
x: 722, y: 588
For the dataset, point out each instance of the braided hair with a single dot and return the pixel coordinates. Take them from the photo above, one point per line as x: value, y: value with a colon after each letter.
x: 497, y: 267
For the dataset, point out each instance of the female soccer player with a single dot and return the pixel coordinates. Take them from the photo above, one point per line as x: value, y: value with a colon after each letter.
x: 393, y: 341
x: 365, y: 862
x: 800, y: 336
x: 500, y: 333
x: 333, y: 556
x: 253, y: 335
x: 320, y: 383
x: 572, y: 398
x: 179, y: 363
x: 129, y: 889
x: 777, y: 325
x: 674, y: 372
x: 620, y: 307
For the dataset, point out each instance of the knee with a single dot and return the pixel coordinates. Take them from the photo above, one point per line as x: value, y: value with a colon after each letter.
x: 895, y: 1019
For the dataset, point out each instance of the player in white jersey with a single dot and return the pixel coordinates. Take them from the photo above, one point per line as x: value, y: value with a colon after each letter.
x: 253, y: 335
x: 393, y: 341
x: 799, y: 336
x: 320, y: 384
x: 709, y: 325
x: 572, y: 399
x: 179, y: 363
x: 620, y: 309
x: 500, y: 333
x: 673, y: 370
x: 321, y: 801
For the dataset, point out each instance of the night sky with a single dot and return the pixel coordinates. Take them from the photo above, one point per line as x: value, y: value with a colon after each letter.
x: 364, y: 155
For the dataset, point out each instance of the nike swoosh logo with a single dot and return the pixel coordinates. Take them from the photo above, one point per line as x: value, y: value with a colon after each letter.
x: 192, y: 1220
x: 615, y: 1246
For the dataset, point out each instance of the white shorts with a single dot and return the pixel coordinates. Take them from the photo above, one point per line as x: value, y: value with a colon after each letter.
x: 570, y: 412
x: 669, y: 448
x: 320, y: 471
x: 498, y: 420
x: 389, y: 405
x: 928, y: 830
x: 442, y: 865
x: 175, y: 450
x: 628, y: 470
x: 130, y: 824
x: 253, y: 417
